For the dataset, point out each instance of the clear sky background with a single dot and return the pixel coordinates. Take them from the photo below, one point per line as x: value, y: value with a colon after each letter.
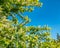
x: 48, y: 14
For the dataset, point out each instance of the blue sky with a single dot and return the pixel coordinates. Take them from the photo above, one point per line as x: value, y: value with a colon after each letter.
x: 48, y: 14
